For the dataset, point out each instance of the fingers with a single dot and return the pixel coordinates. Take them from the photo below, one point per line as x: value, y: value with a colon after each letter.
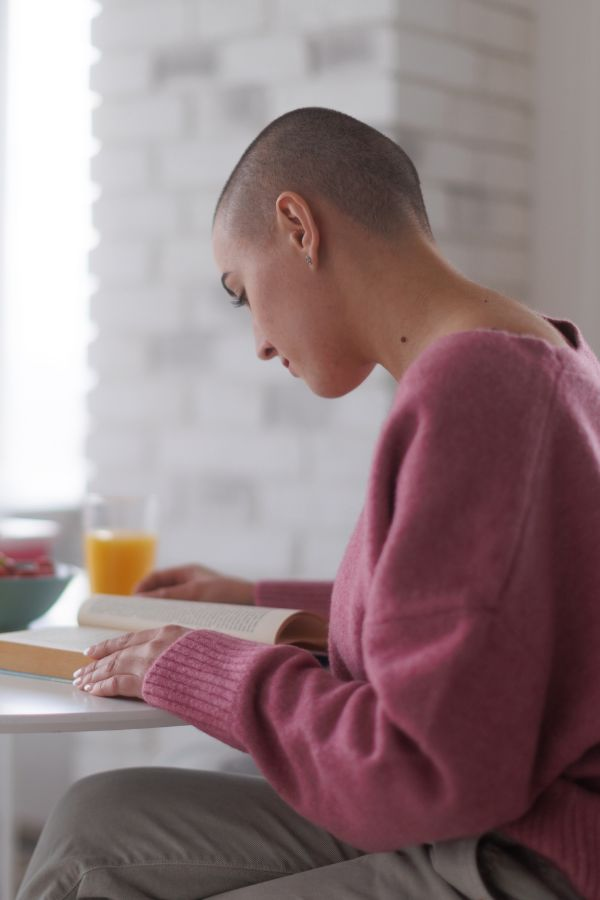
x: 159, y: 579
x: 120, y: 664
x: 115, y: 675
x: 106, y: 678
x: 127, y: 639
x: 187, y: 591
x: 115, y: 686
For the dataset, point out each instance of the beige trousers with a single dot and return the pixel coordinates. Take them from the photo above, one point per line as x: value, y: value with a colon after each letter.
x: 178, y: 834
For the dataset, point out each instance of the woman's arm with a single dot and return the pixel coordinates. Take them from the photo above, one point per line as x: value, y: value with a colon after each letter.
x: 435, y: 745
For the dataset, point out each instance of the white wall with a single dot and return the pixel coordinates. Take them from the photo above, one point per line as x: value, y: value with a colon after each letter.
x: 566, y: 261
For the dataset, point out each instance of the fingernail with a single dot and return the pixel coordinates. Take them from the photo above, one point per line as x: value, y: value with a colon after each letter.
x: 87, y: 687
x: 76, y: 681
x: 88, y: 651
x: 76, y: 673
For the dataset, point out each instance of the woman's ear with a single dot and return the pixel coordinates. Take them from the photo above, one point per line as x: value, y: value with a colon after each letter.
x: 295, y: 220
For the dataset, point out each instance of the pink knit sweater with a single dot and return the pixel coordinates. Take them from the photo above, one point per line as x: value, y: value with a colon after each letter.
x: 464, y: 688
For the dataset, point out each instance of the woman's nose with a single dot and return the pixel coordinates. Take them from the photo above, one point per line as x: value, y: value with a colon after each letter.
x: 265, y: 350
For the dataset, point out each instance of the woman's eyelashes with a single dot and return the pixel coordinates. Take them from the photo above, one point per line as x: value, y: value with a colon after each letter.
x: 242, y: 300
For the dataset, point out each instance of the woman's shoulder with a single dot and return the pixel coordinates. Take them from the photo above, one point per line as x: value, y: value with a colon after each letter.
x: 481, y: 391
x: 485, y: 364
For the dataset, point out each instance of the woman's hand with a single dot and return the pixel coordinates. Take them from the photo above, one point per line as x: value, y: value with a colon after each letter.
x: 120, y: 664
x: 193, y: 582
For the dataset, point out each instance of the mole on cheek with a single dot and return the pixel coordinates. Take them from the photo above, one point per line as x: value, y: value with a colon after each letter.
x: 403, y: 339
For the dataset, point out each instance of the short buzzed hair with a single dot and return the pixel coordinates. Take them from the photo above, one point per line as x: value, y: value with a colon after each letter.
x: 319, y: 152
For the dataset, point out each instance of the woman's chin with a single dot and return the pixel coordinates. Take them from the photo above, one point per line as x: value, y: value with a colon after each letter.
x: 339, y: 386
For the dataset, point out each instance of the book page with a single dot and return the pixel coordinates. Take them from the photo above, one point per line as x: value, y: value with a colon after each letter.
x: 69, y: 637
x: 138, y: 613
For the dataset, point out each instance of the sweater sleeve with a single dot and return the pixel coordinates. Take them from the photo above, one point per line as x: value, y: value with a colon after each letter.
x: 411, y: 756
x: 439, y: 738
x: 313, y: 596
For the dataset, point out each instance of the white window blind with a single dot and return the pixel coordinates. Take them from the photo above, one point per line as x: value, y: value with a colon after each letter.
x: 47, y: 234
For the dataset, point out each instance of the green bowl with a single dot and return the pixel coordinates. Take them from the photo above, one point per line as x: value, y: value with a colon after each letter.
x: 24, y: 599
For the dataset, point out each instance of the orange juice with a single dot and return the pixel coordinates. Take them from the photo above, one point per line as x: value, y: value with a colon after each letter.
x: 116, y: 559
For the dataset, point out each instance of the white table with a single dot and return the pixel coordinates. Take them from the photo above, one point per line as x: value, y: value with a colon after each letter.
x: 32, y: 705
x: 35, y: 705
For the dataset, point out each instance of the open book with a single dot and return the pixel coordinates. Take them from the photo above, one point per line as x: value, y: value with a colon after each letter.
x: 57, y: 652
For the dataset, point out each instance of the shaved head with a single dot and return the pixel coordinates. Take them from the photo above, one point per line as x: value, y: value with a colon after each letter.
x: 322, y: 153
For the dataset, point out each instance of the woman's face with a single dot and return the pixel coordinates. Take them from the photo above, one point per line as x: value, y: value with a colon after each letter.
x: 297, y: 312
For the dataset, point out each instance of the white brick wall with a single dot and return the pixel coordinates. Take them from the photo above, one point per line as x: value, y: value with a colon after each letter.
x: 120, y: 168
x: 140, y: 23
x: 157, y: 117
x: 495, y: 25
x: 146, y: 215
x: 316, y: 15
x: 245, y: 459
x: 216, y: 19
x: 136, y: 311
x: 266, y: 59
x: 120, y: 264
x: 372, y: 96
x: 121, y: 73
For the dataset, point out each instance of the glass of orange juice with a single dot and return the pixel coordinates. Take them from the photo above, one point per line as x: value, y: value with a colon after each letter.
x: 120, y: 537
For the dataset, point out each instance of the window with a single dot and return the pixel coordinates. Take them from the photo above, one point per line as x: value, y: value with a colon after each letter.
x: 44, y: 314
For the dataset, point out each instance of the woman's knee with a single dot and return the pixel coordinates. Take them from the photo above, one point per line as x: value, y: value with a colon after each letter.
x: 97, y: 799
x: 155, y: 805
x: 75, y: 835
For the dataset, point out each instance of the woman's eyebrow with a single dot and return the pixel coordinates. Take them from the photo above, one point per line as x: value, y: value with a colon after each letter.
x: 229, y: 291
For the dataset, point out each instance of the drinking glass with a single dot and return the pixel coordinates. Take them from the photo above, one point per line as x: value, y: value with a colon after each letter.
x: 120, y: 537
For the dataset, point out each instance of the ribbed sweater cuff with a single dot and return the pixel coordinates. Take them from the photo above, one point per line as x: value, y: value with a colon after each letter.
x: 314, y: 596
x: 200, y: 678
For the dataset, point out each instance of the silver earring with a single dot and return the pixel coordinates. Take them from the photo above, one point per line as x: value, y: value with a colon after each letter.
x: 308, y: 260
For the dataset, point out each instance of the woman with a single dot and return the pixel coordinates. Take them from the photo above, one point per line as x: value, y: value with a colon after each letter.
x: 453, y: 747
